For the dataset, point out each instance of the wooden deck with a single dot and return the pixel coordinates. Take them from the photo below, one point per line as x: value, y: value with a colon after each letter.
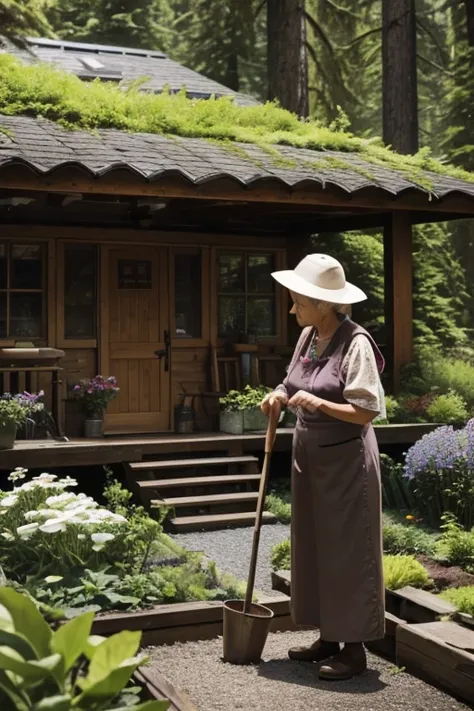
x: 110, y: 450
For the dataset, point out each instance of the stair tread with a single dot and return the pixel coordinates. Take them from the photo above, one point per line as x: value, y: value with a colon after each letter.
x: 198, y: 481
x: 220, y: 518
x: 184, y: 463
x: 207, y: 500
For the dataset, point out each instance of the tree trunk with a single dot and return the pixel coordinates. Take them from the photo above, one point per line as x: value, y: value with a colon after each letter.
x: 470, y: 21
x: 400, y: 99
x: 287, y: 59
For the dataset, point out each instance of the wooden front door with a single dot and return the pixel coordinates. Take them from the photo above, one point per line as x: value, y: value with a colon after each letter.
x: 136, y: 338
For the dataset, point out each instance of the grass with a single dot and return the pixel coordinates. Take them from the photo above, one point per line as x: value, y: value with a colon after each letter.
x: 461, y: 598
x: 41, y: 90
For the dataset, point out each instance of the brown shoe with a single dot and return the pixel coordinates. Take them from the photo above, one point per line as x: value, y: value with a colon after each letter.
x: 352, y: 660
x: 317, y: 652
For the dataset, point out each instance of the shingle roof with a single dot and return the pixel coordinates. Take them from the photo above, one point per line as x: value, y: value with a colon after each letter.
x: 121, y: 63
x: 45, y: 147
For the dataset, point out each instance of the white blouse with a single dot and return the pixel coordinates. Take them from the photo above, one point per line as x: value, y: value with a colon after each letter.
x: 363, y: 385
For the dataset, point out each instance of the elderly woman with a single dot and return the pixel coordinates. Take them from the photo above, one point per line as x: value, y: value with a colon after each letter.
x: 333, y: 383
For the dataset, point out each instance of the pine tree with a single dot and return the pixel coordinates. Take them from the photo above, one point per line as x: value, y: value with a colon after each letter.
x: 20, y: 18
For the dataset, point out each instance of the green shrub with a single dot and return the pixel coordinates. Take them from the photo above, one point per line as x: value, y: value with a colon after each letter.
x: 461, y: 598
x: 401, y: 538
x: 66, y: 669
x: 280, y: 557
x: 455, y: 545
x: 279, y: 508
x: 246, y: 399
x: 434, y: 372
x: 11, y: 410
x: 392, y: 408
x: 449, y: 409
x: 402, y: 570
x: 396, y: 492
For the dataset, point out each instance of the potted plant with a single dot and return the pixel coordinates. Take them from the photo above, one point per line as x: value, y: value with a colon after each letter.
x: 95, y: 395
x: 251, y: 399
x: 35, y: 425
x: 12, y: 414
x: 231, y: 415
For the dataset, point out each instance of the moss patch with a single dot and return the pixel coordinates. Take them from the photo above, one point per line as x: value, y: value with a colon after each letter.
x: 43, y: 91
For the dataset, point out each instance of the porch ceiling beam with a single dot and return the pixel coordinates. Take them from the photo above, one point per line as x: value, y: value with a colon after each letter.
x: 125, y: 183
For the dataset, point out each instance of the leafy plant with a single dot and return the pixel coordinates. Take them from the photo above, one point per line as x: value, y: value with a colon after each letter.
x: 392, y: 407
x: 66, y: 669
x: 455, y: 545
x: 278, y: 507
x: 281, y: 555
x: 96, y: 393
x: 246, y: 399
x: 402, y: 570
x: 448, y: 409
x: 396, y: 492
x: 11, y: 411
x: 461, y: 598
x: 400, y: 538
x: 440, y: 472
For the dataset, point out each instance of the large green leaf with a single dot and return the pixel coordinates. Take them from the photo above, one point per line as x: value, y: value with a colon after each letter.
x: 10, y: 660
x: 61, y: 702
x: 6, y: 620
x: 110, y: 654
x: 12, y: 692
x: 92, y: 645
x: 71, y: 639
x: 27, y: 620
x: 18, y: 643
x: 109, y: 686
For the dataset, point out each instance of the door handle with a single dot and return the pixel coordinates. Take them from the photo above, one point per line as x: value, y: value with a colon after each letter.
x: 165, y: 352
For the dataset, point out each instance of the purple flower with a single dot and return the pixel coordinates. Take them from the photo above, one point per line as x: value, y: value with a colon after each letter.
x: 441, y: 450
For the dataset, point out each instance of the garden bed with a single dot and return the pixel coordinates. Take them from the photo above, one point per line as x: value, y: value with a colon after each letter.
x: 185, y: 622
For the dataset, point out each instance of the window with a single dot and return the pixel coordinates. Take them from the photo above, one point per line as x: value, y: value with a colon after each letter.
x: 187, y: 294
x: 80, y: 289
x: 22, y: 291
x: 247, y: 303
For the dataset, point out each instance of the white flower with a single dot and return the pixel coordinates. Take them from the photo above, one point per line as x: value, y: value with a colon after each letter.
x: 18, y: 473
x: 53, y: 578
x: 27, y: 530
x: 9, y: 500
x: 60, y: 500
x: 53, y: 525
x: 81, y: 536
x: 44, y: 477
x: 32, y: 515
x: 100, y: 539
x: 8, y: 536
x: 68, y: 481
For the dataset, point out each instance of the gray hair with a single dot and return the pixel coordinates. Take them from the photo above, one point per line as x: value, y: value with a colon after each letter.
x: 326, y: 306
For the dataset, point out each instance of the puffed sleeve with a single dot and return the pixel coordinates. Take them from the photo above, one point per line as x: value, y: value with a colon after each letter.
x: 363, y: 387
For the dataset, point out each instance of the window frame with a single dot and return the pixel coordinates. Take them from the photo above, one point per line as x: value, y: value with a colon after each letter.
x: 204, y: 253
x: 280, y: 312
x: 46, y: 256
x: 62, y: 341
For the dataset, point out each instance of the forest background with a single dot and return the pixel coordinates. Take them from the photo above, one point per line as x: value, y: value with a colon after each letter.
x: 343, y: 63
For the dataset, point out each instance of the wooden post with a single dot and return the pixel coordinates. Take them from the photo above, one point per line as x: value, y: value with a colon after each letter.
x: 299, y: 246
x: 398, y: 268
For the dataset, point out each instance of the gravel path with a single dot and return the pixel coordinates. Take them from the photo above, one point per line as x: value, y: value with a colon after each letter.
x: 278, y: 683
x: 231, y: 548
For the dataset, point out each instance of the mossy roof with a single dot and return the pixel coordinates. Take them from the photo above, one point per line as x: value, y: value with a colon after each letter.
x: 51, y: 118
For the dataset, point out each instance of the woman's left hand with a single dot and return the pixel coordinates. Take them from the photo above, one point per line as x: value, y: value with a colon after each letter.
x: 306, y: 401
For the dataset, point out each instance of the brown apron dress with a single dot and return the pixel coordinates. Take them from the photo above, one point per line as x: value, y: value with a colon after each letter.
x: 336, y: 528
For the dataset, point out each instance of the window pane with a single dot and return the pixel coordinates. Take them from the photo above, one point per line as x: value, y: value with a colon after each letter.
x: 231, y: 317
x: 187, y: 295
x: 26, y: 315
x: 3, y: 315
x: 259, y: 273
x: 3, y: 266
x: 231, y: 273
x: 261, y: 316
x: 26, y: 266
x: 80, y: 276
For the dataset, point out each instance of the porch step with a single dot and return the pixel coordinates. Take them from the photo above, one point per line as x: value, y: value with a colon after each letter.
x: 196, y: 481
x: 211, y: 500
x: 231, y: 520
x: 188, y: 463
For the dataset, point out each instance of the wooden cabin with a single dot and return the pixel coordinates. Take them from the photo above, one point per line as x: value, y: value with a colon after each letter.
x: 149, y: 257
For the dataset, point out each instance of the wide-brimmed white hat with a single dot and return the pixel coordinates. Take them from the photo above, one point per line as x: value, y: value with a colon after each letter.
x: 320, y: 276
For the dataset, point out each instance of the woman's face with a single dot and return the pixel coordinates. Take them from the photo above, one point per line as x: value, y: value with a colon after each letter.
x: 306, y: 310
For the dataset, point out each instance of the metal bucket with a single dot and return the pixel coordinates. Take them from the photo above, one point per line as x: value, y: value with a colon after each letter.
x: 93, y: 429
x: 245, y: 634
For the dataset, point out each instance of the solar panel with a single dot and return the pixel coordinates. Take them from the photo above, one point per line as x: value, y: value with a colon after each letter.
x: 94, y: 48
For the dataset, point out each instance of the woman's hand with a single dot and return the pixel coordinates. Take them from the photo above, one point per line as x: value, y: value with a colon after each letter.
x: 306, y: 401
x: 270, y: 399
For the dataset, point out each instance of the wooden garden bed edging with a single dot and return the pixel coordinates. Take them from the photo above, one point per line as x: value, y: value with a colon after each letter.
x: 158, y: 688
x: 418, y: 606
x: 440, y: 653
x: 186, y: 621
